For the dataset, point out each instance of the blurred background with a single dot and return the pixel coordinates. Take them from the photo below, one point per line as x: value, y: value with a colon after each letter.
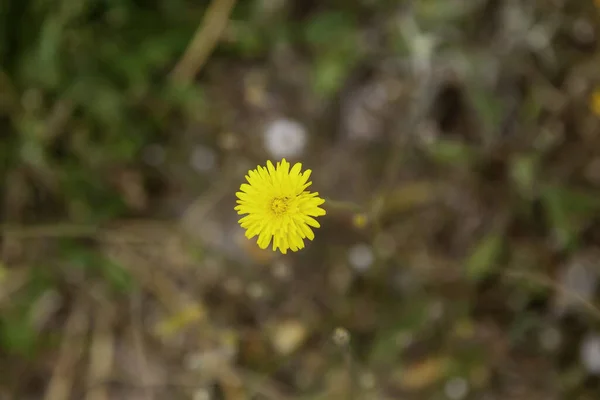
x: 459, y: 139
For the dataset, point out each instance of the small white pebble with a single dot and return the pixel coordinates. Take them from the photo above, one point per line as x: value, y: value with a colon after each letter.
x: 193, y: 361
x: 285, y: 138
x: 578, y: 277
x: 583, y: 30
x: 436, y: 310
x: 282, y: 271
x: 202, y: 394
x: 341, y: 336
x: 367, y: 381
x: 423, y: 47
x: 361, y: 257
x: 538, y: 38
x: 589, y: 353
x: 203, y: 159
x: 256, y: 291
x: 456, y: 388
x: 550, y: 339
x: 288, y: 336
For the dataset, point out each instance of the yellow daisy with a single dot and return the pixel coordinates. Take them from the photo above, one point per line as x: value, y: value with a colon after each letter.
x: 278, y: 206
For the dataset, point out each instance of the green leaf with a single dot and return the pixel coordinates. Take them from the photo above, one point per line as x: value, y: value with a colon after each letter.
x: 484, y: 256
x: 17, y: 335
x: 101, y: 99
x: 333, y: 38
x: 119, y: 278
x: 489, y: 109
x: 450, y: 152
x: 569, y: 211
x: 328, y: 75
x: 523, y: 171
x: 95, y: 262
x: 42, y: 65
x: 329, y: 30
x: 436, y: 12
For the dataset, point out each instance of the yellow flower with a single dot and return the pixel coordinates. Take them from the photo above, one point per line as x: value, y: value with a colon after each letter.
x: 278, y: 206
x: 595, y: 101
x: 360, y: 220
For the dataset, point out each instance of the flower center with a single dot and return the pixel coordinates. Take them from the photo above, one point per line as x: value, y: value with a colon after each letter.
x: 279, y: 205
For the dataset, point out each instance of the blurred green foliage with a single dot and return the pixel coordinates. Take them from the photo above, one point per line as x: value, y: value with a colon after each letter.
x: 84, y: 88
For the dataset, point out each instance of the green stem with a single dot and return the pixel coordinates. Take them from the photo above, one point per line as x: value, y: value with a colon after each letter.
x: 342, y: 205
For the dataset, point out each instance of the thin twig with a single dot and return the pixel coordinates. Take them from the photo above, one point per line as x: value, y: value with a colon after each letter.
x: 139, y: 347
x: 108, y: 233
x: 549, y: 283
x: 205, y: 40
x: 342, y: 205
x: 14, y: 201
x: 71, y: 350
x: 48, y: 231
x: 101, y: 353
x: 57, y: 119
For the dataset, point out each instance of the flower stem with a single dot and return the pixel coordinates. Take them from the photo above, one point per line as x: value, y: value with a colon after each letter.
x: 342, y: 205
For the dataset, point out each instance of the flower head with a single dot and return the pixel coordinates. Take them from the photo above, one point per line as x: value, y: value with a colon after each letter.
x: 278, y: 206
